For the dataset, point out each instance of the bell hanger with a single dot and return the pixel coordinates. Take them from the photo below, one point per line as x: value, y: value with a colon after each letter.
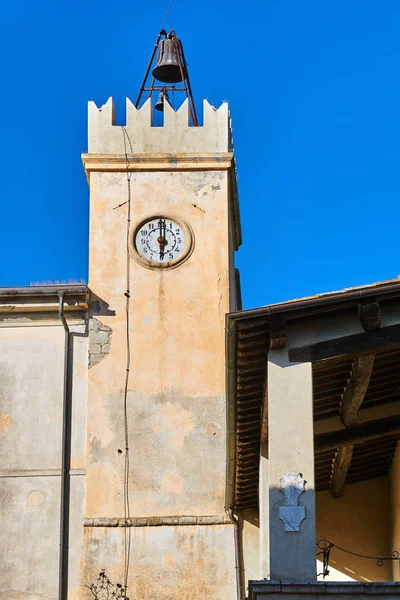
x: 170, y: 68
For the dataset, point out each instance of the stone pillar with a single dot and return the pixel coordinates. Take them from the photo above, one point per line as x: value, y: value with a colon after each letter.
x: 287, y: 488
x: 264, y: 512
x: 395, y: 502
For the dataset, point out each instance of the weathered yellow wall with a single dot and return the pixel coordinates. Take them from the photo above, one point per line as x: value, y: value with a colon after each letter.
x: 395, y: 510
x: 250, y: 537
x: 167, y: 562
x: 176, y: 399
x: 176, y: 403
x: 360, y: 522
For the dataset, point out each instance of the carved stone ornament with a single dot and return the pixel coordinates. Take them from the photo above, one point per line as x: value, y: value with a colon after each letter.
x: 292, y: 486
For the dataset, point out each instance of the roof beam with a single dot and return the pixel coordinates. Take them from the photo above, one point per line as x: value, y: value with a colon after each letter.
x: 365, y: 415
x: 356, y: 389
x: 340, y: 468
x: 278, y: 333
x: 357, y: 435
x: 360, y: 343
x: 370, y: 316
x: 264, y: 417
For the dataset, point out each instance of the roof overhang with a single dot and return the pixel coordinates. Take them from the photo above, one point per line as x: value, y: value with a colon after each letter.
x: 43, y: 299
x: 249, y: 336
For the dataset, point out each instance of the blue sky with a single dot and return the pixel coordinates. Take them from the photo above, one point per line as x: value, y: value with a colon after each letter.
x: 314, y: 93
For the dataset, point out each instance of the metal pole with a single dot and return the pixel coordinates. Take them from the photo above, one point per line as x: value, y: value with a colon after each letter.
x: 181, y: 59
x: 190, y: 95
x: 238, y: 556
x: 149, y: 67
x: 65, y: 460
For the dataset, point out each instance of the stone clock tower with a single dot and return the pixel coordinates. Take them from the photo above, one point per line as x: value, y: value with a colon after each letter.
x: 164, y: 225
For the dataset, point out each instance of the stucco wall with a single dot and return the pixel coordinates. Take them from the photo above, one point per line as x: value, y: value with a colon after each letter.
x: 395, y: 510
x: 360, y: 521
x: 250, y: 532
x: 166, y: 562
x: 176, y: 396
x: 176, y: 404
x: 31, y: 393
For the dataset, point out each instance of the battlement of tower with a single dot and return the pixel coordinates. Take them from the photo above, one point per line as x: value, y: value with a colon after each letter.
x: 138, y: 136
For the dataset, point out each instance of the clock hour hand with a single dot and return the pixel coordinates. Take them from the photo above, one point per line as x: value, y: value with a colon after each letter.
x: 161, y: 239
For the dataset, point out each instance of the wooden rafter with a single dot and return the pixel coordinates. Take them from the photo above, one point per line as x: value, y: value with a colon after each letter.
x: 357, y: 435
x: 340, y: 468
x: 370, y: 316
x: 356, y: 389
x: 365, y: 415
x: 358, y: 344
x: 264, y: 416
x: 278, y: 333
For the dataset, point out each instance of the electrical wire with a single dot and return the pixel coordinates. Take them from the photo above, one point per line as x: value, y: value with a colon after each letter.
x: 127, y: 513
x: 167, y: 13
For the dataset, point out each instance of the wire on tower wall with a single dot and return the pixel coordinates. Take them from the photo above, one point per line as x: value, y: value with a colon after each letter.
x: 127, y: 515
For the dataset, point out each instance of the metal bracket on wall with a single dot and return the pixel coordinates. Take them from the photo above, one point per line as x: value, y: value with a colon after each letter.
x: 325, y: 547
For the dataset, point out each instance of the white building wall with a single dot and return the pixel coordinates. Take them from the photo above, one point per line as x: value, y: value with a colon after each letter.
x: 31, y: 397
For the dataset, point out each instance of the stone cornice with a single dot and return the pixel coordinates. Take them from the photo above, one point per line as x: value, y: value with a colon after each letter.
x: 157, y: 162
x: 158, y: 521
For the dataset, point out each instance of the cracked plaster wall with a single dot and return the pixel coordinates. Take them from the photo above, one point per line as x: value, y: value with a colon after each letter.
x: 176, y: 400
x: 189, y: 562
x: 99, y: 341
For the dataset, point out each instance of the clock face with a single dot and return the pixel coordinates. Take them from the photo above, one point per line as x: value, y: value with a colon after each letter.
x: 160, y: 240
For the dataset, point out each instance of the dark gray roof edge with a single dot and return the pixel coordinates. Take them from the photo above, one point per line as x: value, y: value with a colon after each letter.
x: 333, y: 299
x: 43, y: 290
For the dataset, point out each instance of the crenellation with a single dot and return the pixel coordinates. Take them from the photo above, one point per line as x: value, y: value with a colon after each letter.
x: 179, y: 118
x: 230, y: 136
x: 176, y: 136
x: 138, y: 117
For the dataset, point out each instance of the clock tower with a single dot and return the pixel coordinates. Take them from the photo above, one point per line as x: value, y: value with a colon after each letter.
x: 164, y: 225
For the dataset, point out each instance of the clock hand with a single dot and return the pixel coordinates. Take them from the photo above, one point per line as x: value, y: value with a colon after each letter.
x: 165, y: 235
x: 161, y: 239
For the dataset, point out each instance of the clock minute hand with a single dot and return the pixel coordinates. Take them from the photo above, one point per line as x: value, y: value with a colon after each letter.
x: 161, y: 240
x: 165, y: 236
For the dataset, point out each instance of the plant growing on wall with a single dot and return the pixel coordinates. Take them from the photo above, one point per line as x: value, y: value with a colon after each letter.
x: 104, y: 589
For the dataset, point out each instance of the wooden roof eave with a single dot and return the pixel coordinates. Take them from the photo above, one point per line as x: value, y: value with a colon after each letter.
x: 250, y: 324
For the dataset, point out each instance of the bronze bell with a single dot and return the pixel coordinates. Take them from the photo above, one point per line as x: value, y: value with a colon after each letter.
x: 167, y: 68
x: 162, y: 97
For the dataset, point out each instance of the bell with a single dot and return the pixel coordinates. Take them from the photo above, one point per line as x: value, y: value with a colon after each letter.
x: 162, y: 97
x: 167, y: 68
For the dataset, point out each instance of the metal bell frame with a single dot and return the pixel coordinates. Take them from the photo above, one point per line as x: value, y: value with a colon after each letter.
x: 186, y: 87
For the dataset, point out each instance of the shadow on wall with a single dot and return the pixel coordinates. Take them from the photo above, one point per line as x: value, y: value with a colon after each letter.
x: 249, y: 525
x: 99, y: 307
x: 290, y: 509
